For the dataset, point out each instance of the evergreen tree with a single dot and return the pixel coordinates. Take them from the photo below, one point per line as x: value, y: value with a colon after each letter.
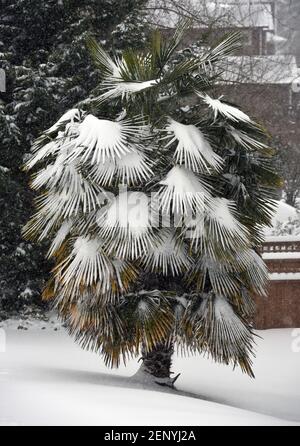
x: 48, y: 70
x: 155, y: 212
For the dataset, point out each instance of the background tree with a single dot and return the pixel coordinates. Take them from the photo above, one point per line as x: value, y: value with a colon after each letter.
x: 48, y: 70
x: 289, y: 166
x: 170, y: 257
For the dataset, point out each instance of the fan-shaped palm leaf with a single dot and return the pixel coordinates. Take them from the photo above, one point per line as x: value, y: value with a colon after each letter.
x: 227, y: 336
x: 126, y: 225
x: 86, y: 264
x: 255, y: 270
x: 215, y: 272
x: 70, y: 116
x: 226, y: 110
x: 40, y: 154
x: 119, y: 88
x: 107, y: 65
x: 60, y: 237
x: 223, y: 223
x: 246, y: 140
x: 101, y: 139
x: 132, y: 168
x: 220, y: 332
x: 192, y: 150
x: 168, y: 256
x: 150, y: 319
x: 182, y: 192
x: 228, y: 45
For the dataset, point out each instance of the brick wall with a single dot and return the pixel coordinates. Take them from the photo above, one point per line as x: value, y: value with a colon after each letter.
x: 281, y: 308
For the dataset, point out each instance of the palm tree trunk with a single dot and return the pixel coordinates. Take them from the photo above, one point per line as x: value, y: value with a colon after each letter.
x: 158, y: 361
x: 156, y: 366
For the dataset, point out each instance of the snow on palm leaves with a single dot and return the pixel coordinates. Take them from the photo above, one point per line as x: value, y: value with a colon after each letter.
x: 124, y: 198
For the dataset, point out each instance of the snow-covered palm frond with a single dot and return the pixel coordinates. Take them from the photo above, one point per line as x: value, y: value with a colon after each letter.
x: 132, y: 168
x: 101, y: 139
x: 222, y: 282
x: 213, y: 327
x: 43, y: 177
x: 122, y: 77
x: 74, y: 198
x: 70, y: 116
x: 120, y: 275
x: 59, y: 204
x: 60, y: 171
x: 217, y: 229
x: 38, y: 227
x: 192, y: 150
x: 64, y: 131
x: 215, y: 272
x: 255, y: 270
x: 87, y: 264
x: 40, y: 154
x: 226, y: 110
x: 182, y: 191
x: 223, y: 225
x: 115, y: 88
x: 126, y: 225
x: 103, y: 173
x: 123, y: 275
x: 168, y: 255
x: 224, y: 335
x: 60, y: 237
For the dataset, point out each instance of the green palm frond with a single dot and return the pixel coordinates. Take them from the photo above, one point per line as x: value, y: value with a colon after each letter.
x: 162, y: 49
x: 226, y: 47
x: 103, y: 61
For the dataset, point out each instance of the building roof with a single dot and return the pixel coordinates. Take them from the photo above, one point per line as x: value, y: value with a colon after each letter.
x: 231, y: 13
x: 273, y: 69
x: 247, y: 15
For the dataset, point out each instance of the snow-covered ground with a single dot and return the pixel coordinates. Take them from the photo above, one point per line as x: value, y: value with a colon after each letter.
x: 45, y: 379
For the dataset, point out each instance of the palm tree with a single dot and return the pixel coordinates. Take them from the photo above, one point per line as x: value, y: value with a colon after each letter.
x: 155, y: 209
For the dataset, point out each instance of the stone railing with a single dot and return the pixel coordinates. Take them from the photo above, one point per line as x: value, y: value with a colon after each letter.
x: 281, y: 244
x: 282, y: 254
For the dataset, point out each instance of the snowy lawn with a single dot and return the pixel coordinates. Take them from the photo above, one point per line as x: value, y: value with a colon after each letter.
x: 46, y: 379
